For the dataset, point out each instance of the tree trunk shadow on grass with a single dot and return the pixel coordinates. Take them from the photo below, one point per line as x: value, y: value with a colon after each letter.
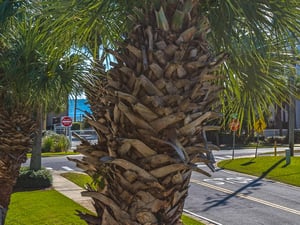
x: 251, y: 184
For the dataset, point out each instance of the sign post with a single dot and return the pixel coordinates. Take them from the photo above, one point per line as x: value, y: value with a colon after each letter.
x: 55, y: 122
x: 66, y: 121
x: 259, y: 127
x: 234, y: 126
x: 287, y: 156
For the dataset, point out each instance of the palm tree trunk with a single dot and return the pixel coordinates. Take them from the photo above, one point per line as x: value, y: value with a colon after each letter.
x: 151, y: 114
x: 10, y: 164
x: 36, y: 154
x: 16, y: 128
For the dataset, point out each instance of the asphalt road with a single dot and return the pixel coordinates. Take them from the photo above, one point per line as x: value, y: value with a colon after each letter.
x: 62, y: 163
x: 58, y: 163
x: 229, y: 198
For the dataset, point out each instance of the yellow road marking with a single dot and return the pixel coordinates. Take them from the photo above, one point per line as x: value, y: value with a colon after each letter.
x: 294, y: 211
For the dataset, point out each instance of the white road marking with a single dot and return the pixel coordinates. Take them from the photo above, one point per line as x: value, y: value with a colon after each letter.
x: 67, y: 168
x: 219, y: 157
x: 49, y: 168
x: 239, y: 180
x: 231, y: 180
x: 216, y: 181
x: 201, y: 217
x: 201, y: 165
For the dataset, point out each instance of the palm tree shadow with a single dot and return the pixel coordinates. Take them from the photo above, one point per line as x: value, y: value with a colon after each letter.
x: 251, y: 184
x: 244, y: 164
x: 249, y: 162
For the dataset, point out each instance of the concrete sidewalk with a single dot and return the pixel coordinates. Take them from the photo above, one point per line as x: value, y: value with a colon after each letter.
x: 71, y: 190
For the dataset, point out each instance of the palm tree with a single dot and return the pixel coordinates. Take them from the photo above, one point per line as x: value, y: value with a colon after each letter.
x: 16, y: 127
x: 67, y: 76
x: 175, y: 62
x: 31, y: 82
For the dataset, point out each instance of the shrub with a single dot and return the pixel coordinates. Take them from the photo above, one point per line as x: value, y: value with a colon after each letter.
x: 47, y: 144
x: 34, y: 179
x: 53, y: 142
x: 63, y: 143
x: 76, y: 126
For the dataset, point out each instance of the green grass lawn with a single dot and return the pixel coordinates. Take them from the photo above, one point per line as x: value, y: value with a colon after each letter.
x: 78, y: 178
x: 270, y: 167
x: 49, y: 207
x: 55, y: 154
x: 43, y: 207
x: 190, y: 221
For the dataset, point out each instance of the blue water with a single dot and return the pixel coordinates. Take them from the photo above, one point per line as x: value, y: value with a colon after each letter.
x: 81, y: 107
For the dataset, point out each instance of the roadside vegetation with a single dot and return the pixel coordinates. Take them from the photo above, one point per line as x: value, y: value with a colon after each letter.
x: 79, y: 179
x: 33, y: 179
x: 190, y: 221
x: 271, y: 167
x: 43, y: 207
x: 53, y: 142
x: 51, y: 206
x: 55, y: 154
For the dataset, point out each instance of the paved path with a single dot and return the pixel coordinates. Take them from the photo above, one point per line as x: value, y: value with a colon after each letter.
x: 71, y: 190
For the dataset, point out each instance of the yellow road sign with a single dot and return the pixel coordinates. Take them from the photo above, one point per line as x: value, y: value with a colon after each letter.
x: 260, y: 125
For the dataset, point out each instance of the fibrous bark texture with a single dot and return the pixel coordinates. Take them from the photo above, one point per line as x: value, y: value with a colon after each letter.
x: 16, y: 128
x: 151, y: 113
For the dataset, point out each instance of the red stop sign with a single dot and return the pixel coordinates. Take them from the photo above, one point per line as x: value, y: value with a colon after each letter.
x: 66, y: 121
x: 234, y: 125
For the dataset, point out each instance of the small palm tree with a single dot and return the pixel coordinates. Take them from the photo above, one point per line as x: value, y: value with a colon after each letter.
x: 67, y: 75
x: 16, y: 127
x: 31, y: 82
